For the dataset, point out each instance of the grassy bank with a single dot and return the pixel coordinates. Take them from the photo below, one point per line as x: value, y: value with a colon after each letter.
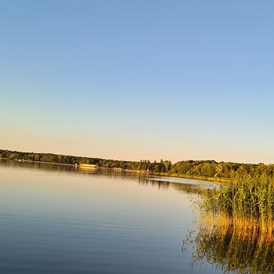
x: 194, y: 177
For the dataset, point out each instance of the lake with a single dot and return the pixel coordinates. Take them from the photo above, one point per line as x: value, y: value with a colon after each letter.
x: 57, y: 219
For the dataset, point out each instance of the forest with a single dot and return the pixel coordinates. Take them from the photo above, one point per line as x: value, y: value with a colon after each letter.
x: 200, y: 169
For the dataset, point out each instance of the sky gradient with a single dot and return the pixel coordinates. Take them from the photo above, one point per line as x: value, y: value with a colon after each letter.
x: 138, y: 80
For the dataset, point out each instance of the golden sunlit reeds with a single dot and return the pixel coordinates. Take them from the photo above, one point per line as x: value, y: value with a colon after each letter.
x: 242, y: 201
x: 236, y: 230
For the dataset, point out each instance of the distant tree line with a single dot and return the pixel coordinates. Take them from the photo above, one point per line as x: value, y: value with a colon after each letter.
x: 228, y: 170
x: 191, y: 168
x: 162, y: 166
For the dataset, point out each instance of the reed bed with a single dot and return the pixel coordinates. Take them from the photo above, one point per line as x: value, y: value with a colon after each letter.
x: 242, y: 202
x: 236, y: 229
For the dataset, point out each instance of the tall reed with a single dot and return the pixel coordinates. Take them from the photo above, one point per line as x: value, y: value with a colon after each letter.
x: 248, y: 198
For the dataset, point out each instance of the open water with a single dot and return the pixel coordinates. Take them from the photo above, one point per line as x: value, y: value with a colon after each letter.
x: 57, y: 219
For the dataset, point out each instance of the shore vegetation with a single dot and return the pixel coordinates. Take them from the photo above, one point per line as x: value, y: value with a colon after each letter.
x: 242, y: 201
x: 236, y: 226
x: 192, y: 169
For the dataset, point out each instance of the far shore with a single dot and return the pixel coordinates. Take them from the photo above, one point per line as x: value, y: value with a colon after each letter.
x: 143, y: 172
x: 38, y: 162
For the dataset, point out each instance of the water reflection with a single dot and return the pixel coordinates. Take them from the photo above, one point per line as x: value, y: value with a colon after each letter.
x: 143, y: 179
x: 58, y: 219
x: 94, y: 214
x: 37, y: 165
x: 240, y: 248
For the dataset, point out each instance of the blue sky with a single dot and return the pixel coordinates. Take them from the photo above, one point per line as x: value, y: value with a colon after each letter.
x: 138, y: 79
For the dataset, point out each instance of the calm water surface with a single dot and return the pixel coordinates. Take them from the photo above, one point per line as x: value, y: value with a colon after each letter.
x: 54, y: 219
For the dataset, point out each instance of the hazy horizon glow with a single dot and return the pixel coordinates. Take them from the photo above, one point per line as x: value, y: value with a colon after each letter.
x: 134, y: 80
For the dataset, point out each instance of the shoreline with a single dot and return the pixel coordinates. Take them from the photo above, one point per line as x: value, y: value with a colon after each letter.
x: 38, y: 162
x: 143, y: 172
